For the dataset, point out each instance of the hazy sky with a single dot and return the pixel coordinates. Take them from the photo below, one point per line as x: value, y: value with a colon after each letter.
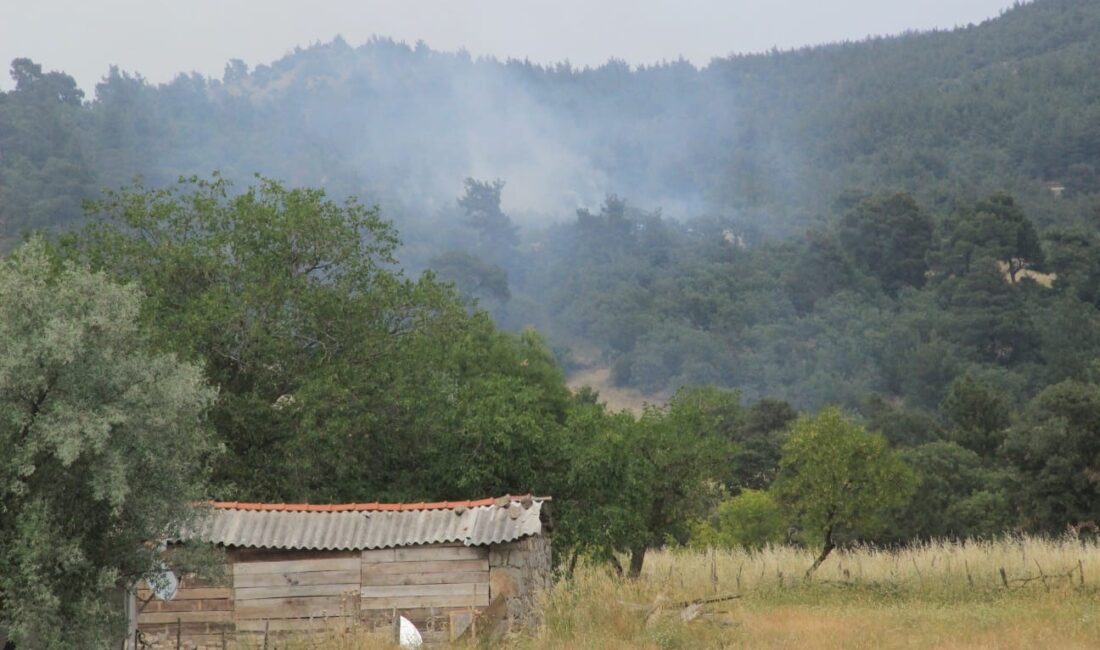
x: 160, y: 38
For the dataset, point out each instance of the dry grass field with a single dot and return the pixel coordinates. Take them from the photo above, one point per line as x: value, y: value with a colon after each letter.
x: 943, y: 595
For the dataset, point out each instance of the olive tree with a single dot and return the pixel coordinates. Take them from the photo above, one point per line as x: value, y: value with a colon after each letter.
x: 102, y: 450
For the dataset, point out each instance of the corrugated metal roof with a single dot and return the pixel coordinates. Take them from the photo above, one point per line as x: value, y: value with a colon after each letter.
x: 354, y: 527
x: 358, y: 507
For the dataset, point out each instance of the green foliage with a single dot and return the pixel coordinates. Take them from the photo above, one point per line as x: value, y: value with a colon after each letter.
x: 472, y: 277
x: 835, y: 478
x: 600, y: 491
x: 957, y: 496
x: 44, y: 172
x: 980, y: 415
x: 988, y: 316
x: 1055, y: 450
x: 888, y: 237
x: 902, y: 427
x: 750, y: 520
x: 994, y: 227
x: 678, y: 449
x: 481, y: 206
x: 758, y: 441
x: 340, y: 379
x: 634, y: 484
x: 1074, y: 258
x: 103, y: 445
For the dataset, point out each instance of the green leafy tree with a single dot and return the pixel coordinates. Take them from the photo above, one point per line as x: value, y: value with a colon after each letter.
x: 678, y: 450
x: 903, y: 427
x: 600, y: 492
x: 472, y: 277
x: 1056, y: 452
x: 1067, y: 357
x: 758, y: 441
x: 957, y: 496
x: 481, y: 207
x: 749, y: 520
x: 1074, y: 258
x: 288, y: 301
x: 44, y: 169
x: 991, y: 318
x: 498, y: 426
x: 837, y: 479
x: 820, y: 270
x: 339, y: 378
x: 979, y: 414
x: 103, y: 449
x: 994, y: 227
x: 888, y: 237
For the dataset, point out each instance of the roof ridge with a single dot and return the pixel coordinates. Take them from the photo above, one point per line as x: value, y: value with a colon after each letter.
x: 372, y: 506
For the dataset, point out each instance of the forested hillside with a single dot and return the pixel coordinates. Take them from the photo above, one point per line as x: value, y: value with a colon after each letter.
x: 1009, y: 104
x: 786, y: 224
x: 862, y: 279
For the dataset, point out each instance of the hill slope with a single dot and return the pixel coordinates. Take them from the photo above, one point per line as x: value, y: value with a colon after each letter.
x: 744, y: 153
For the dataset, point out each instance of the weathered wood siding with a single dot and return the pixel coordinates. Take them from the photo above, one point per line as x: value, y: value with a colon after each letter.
x: 201, y: 613
x: 424, y: 577
x: 439, y: 587
x: 295, y: 590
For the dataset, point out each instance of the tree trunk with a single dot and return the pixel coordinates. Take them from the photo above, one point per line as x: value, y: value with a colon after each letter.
x: 573, y: 562
x: 637, y: 557
x: 615, y: 564
x: 825, y: 550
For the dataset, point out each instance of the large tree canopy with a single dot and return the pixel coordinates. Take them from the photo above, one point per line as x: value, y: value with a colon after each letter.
x: 102, y: 449
x: 340, y: 379
x: 836, y: 478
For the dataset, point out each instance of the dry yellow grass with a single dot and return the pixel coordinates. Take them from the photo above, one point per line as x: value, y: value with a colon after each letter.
x: 943, y: 595
x: 616, y: 398
x: 1043, y: 279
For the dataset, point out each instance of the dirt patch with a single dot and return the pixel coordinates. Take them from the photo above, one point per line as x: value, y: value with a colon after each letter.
x: 616, y: 398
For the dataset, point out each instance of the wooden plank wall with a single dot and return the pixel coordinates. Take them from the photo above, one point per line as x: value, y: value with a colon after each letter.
x: 296, y: 590
x: 201, y: 610
x: 426, y: 584
x: 437, y: 587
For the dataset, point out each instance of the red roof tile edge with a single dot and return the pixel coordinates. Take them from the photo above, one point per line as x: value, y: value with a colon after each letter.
x: 374, y: 507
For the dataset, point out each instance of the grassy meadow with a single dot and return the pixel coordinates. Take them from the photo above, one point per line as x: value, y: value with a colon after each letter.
x: 938, y: 595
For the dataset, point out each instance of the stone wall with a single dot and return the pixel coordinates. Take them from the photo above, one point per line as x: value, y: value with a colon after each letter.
x: 518, y: 571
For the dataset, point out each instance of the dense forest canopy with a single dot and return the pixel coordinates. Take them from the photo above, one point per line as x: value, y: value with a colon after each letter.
x: 767, y: 139
x: 768, y: 223
x: 901, y: 234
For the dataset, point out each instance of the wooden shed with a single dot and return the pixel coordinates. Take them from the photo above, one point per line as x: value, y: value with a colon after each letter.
x: 313, y: 568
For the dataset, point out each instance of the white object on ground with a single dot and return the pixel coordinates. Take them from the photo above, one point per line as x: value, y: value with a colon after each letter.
x: 409, y: 636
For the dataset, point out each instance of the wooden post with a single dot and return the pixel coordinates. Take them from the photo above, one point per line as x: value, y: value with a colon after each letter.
x: 179, y: 628
x: 131, y: 617
x: 969, y: 578
x: 1081, y: 572
x: 1004, y: 577
x: 223, y: 639
x: 1042, y: 575
x: 714, y: 569
x: 267, y: 625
